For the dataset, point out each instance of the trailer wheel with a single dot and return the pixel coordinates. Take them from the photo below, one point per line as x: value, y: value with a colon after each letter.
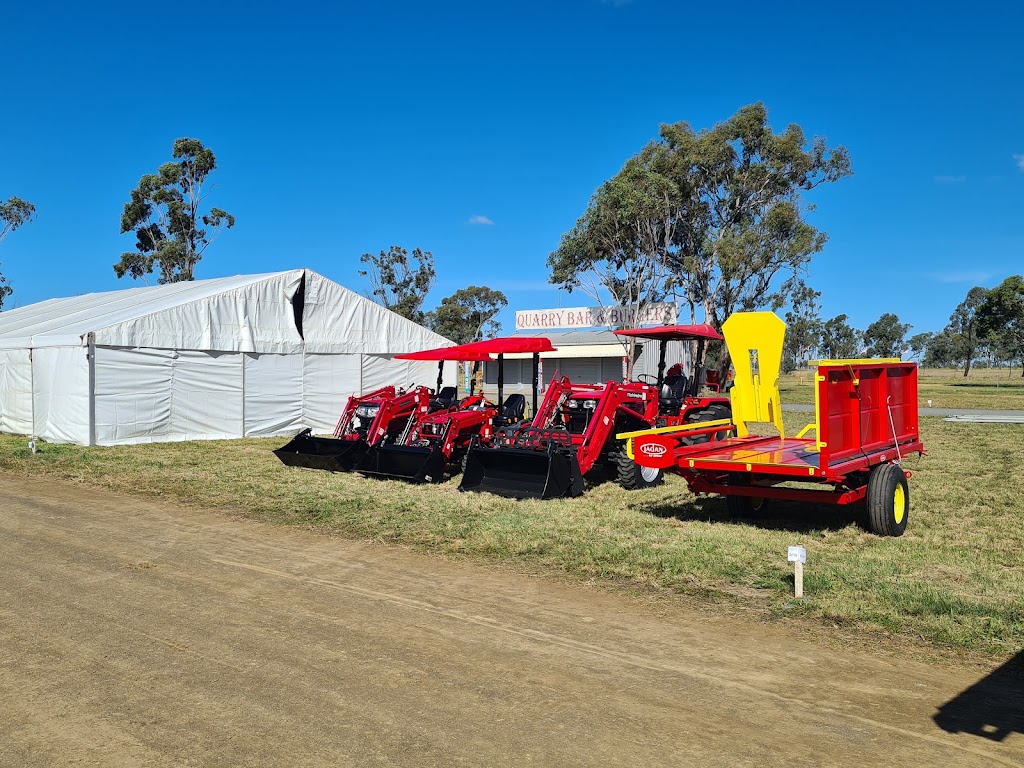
x: 888, y: 500
x: 745, y: 506
x: 632, y: 476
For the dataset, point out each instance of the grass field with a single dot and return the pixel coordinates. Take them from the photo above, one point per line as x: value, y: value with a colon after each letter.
x: 954, y: 580
x: 983, y: 388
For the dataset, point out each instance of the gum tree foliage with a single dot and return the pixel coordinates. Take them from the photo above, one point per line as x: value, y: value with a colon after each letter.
x: 164, y: 213
x: 839, y: 339
x: 918, y: 344
x: 14, y: 213
x: 399, y: 283
x: 715, y: 217
x: 1000, y: 318
x: 468, y: 314
x: 619, y: 247
x: 885, y: 337
x: 963, y: 327
x: 803, y: 327
x: 939, y: 350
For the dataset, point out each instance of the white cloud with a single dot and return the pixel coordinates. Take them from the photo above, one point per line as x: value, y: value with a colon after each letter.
x: 950, y: 179
x: 481, y: 220
x: 1020, y: 161
x: 974, y: 278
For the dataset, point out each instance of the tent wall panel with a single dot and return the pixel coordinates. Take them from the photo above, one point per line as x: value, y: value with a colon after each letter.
x: 60, y: 400
x: 16, y: 391
x: 327, y: 382
x: 133, y: 395
x: 206, y: 395
x: 380, y: 370
x: 273, y: 394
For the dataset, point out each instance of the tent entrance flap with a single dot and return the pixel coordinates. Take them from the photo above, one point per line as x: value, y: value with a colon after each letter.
x: 325, y: 453
x: 520, y: 473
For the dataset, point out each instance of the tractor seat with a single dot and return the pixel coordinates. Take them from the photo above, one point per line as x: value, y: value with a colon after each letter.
x: 673, y: 392
x: 443, y: 399
x: 514, y: 408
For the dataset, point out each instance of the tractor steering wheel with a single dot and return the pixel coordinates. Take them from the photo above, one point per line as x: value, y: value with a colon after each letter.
x: 646, y: 378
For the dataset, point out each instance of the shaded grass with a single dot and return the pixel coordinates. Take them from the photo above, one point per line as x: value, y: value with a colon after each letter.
x: 983, y: 388
x: 955, y: 579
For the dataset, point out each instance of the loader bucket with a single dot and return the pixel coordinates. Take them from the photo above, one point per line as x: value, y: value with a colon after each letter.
x: 521, y: 473
x: 401, y: 462
x: 325, y: 453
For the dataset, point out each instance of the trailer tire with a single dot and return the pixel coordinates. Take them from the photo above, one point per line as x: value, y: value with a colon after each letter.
x: 888, y: 500
x: 632, y: 476
x: 746, y: 506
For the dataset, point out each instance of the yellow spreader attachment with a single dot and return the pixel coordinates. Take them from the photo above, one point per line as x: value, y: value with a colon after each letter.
x: 755, y: 345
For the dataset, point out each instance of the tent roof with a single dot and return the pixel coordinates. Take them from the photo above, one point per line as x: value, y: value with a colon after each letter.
x: 246, y: 313
x: 674, y: 332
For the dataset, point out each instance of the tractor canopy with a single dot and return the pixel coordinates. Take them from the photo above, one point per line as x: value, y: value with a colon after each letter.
x: 675, y: 333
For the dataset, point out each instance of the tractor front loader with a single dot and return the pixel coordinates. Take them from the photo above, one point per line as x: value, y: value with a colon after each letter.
x: 572, y: 433
x: 367, y: 421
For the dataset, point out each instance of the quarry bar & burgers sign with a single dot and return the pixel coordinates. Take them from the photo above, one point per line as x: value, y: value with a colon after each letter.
x: 593, y: 317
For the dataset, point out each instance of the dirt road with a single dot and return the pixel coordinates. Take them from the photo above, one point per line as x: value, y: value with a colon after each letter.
x: 135, y: 633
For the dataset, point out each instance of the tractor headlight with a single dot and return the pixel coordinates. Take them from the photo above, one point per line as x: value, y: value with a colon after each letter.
x: 367, y: 411
x: 590, y: 404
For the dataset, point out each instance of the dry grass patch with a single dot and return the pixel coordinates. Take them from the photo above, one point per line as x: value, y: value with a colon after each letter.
x: 954, y: 579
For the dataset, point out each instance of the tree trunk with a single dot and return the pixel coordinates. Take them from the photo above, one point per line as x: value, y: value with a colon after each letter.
x: 967, y: 367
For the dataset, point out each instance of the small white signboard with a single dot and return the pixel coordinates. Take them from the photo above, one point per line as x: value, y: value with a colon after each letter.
x: 797, y: 555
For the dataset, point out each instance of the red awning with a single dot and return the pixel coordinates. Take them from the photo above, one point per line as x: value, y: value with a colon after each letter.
x: 675, y: 333
x: 511, y: 344
x: 446, y: 353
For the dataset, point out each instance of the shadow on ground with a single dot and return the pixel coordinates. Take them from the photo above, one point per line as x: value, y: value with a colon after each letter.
x: 777, y: 515
x: 992, y: 708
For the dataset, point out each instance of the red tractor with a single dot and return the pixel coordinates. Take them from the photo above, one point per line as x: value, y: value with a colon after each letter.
x: 571, y: 434
x: 432, y: 443
x: 680, y: 398
x: 367, y: 420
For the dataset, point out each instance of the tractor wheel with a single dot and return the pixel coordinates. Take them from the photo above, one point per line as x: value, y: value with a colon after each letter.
x: 745, y: 506
x: 716, y: 412
x: 888, y: 500
x: 632, y: 476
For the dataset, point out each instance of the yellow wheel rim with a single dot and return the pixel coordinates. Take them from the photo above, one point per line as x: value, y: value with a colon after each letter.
x: 899, y: 503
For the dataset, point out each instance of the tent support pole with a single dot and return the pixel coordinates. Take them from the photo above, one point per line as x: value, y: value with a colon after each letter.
x: 242, y: 355
x: 92, y: 389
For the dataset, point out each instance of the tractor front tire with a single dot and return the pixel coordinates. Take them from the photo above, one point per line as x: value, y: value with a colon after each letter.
x: 632, y: 476
x: 888, y: 500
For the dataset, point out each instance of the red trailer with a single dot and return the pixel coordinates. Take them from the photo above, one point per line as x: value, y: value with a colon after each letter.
x: 865, y: 424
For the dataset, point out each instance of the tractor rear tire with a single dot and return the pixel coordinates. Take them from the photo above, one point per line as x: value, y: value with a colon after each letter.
x: 632, y: 476
x: 888, y: 500
x: 745, y: 506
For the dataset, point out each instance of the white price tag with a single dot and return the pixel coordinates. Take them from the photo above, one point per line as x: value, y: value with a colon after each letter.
x: 797, y: 555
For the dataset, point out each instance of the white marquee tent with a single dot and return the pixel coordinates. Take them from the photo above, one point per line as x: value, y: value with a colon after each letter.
x: 236, y: 356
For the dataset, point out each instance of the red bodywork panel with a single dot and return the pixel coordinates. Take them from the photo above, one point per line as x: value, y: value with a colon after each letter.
x: 453, y: 427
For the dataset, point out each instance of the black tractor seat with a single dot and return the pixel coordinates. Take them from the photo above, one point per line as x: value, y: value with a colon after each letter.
x: 444, y: 399
x: 673, y: 392
x: 513, y: 409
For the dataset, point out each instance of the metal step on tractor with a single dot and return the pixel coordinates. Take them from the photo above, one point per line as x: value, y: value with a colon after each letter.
x: 367, y: 420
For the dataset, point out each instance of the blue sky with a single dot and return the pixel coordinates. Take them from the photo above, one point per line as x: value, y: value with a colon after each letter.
x: 348, y: 127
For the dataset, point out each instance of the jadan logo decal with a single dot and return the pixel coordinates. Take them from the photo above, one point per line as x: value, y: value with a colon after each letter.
x: 654, y: 450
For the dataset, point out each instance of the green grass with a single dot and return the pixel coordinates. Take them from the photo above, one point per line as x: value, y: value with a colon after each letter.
x: 983, y: 388
x: 955, y: 579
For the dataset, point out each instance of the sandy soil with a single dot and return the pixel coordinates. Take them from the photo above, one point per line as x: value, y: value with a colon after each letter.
x: 135, y: 633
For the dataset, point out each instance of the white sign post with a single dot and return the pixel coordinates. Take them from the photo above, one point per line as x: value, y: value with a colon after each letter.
x: 798, y: 556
